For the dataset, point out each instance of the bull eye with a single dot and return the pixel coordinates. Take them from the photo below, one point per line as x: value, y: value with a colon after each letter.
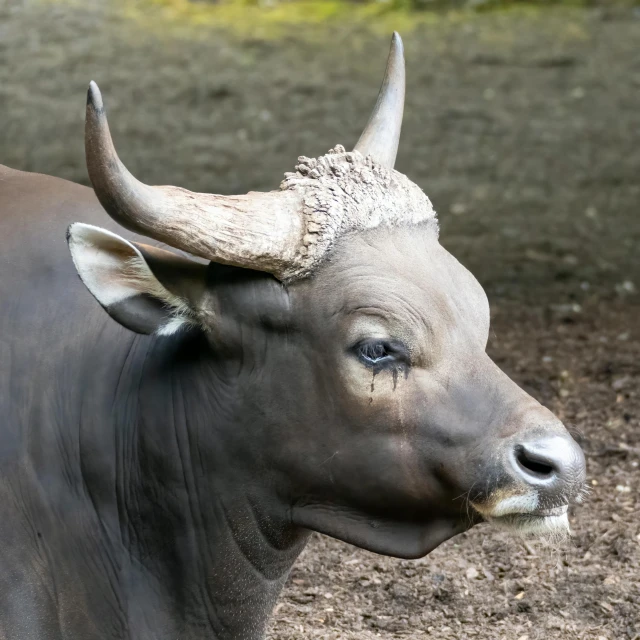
x: 381, y: 353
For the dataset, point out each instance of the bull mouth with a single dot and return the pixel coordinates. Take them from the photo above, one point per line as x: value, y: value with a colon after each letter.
x: 522, y: 514
x: 542, y: 522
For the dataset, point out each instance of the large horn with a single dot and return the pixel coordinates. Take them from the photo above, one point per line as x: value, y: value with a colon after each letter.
x: 381, y: 136
x: 261, y: 231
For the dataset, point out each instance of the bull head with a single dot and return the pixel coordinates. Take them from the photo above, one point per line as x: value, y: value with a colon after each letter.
x: 389, y: 417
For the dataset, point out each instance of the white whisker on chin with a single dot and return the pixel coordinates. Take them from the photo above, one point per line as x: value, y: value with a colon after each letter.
x: 583, y: 494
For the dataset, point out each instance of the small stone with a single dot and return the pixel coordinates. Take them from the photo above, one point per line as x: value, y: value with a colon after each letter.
x: 626, y: 288
x: 578, y: 93
x: 472, y: 573
x: 591, y: 212
x: 620, y: 383
x: 614, y: 423
x: 458, y: 208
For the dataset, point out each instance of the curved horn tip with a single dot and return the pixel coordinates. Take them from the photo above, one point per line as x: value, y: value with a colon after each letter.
x: 94, y: 97
x: 381, y: 136
x: 396, y: 41
x: 396, y: 53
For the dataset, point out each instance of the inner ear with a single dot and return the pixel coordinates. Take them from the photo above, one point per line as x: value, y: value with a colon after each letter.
x: 145, y: 289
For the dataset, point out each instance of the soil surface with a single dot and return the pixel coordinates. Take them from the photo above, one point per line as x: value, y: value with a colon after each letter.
x: 524, y: 129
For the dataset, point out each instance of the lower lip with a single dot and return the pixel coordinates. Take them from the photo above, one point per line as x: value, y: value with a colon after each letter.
x: 549, y: 520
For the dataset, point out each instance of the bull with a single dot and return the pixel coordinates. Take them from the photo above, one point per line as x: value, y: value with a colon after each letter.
x: 308, y: 359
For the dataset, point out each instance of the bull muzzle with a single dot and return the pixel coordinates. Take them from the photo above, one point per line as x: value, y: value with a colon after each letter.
x: 541, y: 474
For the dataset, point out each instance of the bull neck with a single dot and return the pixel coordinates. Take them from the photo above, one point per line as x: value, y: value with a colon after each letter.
x: 209, y: 547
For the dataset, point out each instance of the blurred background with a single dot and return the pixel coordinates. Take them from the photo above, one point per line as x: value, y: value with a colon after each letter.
x: 522, y: 124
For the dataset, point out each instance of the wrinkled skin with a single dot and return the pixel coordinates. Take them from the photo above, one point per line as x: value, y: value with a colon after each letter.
x: 162, y: 486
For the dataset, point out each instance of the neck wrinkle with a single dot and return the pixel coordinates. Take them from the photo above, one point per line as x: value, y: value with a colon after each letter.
x: 210, y: 547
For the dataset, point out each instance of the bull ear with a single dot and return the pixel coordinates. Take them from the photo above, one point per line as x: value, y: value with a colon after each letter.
x: 145, y: 289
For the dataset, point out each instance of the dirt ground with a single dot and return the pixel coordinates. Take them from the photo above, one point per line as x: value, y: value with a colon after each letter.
x: 524, y: 129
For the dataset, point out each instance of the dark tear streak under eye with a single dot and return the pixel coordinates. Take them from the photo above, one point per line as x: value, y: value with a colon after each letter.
x: 404, y: 369
x: 394, y: 373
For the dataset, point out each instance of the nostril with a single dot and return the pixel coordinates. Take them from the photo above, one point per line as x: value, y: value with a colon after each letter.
x: 552, y: 463
x: 534, y: 463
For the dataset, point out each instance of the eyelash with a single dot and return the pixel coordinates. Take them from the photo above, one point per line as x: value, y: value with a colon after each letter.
x: 381, y: 353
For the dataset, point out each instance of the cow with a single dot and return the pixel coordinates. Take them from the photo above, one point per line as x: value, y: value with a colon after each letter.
x: 243, y: 371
